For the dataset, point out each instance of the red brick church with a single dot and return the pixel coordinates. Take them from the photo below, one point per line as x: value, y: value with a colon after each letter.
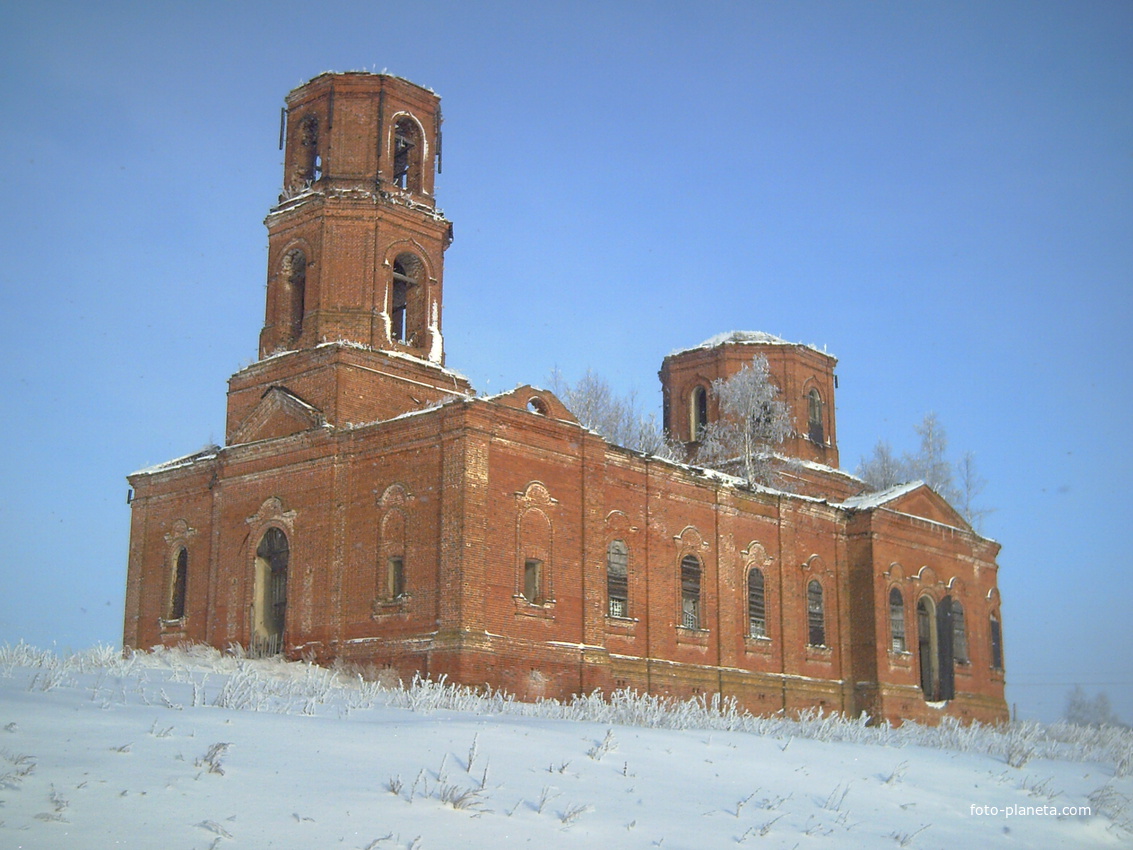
x: 368, y: 506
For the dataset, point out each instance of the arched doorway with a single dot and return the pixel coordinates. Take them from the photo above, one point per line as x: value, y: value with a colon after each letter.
x: 926, y: 647
x: 269, y: 605
x: 935, y: 636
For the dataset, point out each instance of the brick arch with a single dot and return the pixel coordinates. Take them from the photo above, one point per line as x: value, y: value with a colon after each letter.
x: 618, y: 525
x: 690, y: 539
x: 415, y: 164
x: 410, y: 246
x: 306, y: 163
x: 926, y: 575
x: 816, y: 566
x: 396, y: 494
x: 956, y: 586
x: 407, y: 306
x: 291, y: 289
x: 819, y: 436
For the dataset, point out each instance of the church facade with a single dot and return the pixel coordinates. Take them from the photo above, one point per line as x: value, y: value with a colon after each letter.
x: 368, y: 506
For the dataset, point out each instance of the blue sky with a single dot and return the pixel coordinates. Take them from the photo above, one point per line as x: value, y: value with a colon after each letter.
x: 939, y: 193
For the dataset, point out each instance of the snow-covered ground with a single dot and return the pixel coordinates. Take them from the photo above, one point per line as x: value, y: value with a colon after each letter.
x: 193, y: 749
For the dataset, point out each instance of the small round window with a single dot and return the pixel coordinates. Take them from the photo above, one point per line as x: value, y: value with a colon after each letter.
x: 537, y: 405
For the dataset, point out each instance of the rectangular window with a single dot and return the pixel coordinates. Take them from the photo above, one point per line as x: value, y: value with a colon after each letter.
x: 690, y: 592
x: 756, y: 607
x: 617, y: 578
x: 532, y: 579
x: 395, y: 577
x: 959, y: 635
x: 816, y: 617
x: 897, y: 621
x: 996, y: 645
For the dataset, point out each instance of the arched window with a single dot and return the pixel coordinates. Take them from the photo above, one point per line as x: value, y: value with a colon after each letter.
x: 270, y: 604
x: 699, y: 412
x: 996, y: 644
x: 896, y: 621
x: 308, y: 163
x: 175, y: 610
x: 617, y: 579
x: 295, y: 293
x: 815, y: 614
x: 407, y: 154
x: 959, y: 634
x: 690, y: 592
x: 406, y: 277
x: 535, y: 579
x: 814, y: 418
x: 756, y: 607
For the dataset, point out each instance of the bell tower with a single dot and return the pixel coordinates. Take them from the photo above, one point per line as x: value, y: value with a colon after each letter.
x: 356, y: 243
x: 352, y: 324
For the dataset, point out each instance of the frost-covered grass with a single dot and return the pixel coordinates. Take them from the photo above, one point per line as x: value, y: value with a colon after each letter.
x: 197, y: 748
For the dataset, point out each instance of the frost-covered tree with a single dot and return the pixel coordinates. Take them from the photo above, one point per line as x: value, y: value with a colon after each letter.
x: 882, y: 469
x: 930, y: 464
x: 752, y: 426
x: 971, y: 485
x: 617, y: 418
x: 1083, y: 711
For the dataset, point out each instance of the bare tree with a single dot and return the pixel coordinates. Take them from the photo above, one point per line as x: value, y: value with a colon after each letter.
x: 972, y: 484
x: 752, y: 426
x: 929, y: 464
x: 883, y: 469
x: 617, y: 418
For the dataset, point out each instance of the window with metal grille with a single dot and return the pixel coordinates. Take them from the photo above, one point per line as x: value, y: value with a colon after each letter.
x: 897, y: 621
x: 176, y: 608
x: 690, y: 592
x: 959, y: 634
x: 756, y: 607
x: 815, y: 615
x: 617, y: 578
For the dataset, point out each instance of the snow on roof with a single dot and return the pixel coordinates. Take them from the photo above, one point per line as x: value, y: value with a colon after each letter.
x: 743, y: 338
x: 207, y: 453
x: 867, y: 501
